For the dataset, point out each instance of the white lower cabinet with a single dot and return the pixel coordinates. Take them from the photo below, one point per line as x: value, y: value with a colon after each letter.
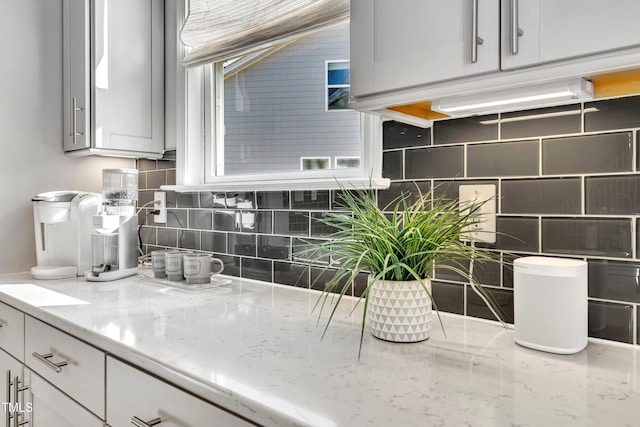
x: 50, y: 407
x: 13, y: 402
x: 136, y: 398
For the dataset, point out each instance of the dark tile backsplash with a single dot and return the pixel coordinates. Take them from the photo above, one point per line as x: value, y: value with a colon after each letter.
x: 568, y: 185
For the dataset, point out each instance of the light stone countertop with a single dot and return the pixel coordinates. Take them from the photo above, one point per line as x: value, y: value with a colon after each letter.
x: 256, y: 349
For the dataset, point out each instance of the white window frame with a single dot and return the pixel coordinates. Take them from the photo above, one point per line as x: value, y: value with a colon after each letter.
x: 327, y: 86
x: 198, y: 157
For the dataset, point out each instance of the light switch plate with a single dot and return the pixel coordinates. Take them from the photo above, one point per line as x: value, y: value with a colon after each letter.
x: 484, y: 229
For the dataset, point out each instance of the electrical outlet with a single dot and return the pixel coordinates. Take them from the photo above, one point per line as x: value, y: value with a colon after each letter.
x: 160, y: 205
x: 483, y: 228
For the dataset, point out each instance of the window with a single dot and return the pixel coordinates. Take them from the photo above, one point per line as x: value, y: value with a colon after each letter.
x: 271, y: 120
x: 338, y: 79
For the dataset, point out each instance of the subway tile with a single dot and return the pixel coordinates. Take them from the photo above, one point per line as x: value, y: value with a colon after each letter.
x: 338, y: 197
x: 146, y: 165
x: 507, y: 267
x: 257, y: 269
x: 214, y: 242
x: 255, y: 221
x: 320, y: 278
x: 242, y: 244
x: 272, y: 199
x: 148, y: 235
x: 189, y: 239
x: 614, y: 280
x: 587, y: 236
x: 450, y: 190
x: 177, y: 218
x: 274, y: 247
x: 392, y: 165
x: 517, y: 234
x: 171, y: 177
x: 241, y: 200
x: 449, y: 297
x: 313, y: 199
x: 438, y: 162
x: 171, y: 199
x: 485, y: 273
x: 541, y: 122
x: 518, y: 158
x: 167, y: 237
x: 319, y: 229
x: 401, y: 135
x: 587, y: 154
x: 619, y: 113
x: 468, y: 129
x: 612, y: 195
x: 360, y: 284
x: 541, y: 196
x: 611, y: 321
x: 213, y: 200
x: 201, y: 219
x: 165, y: 164
x: 304, y: 250
x: 187, y: 200
x: 445, y: 270
x: 286, y: 273
x: 144, y: 197
x: 231, y: 264
x: 502, y: 298
x: 291, y: 223
x: 142, y: 181
x: 225, y: 220
x: 388, y: 198
x: 155, y: 179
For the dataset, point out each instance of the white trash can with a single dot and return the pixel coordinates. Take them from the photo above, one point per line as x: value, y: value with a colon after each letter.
x: 550, y: 304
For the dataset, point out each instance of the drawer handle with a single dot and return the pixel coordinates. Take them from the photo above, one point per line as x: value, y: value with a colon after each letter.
x: 44, y: 358
x: 17, y: 389
x: 7, y: 413
x: 139, y: 423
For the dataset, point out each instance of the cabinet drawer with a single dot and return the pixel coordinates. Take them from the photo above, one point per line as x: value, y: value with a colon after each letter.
x: 12, y: 331
x: 132, y: 393
x: 50, y: 407
x: 81, y: 377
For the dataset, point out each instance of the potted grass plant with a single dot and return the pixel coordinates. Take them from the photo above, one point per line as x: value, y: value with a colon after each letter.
x: 399, y: 246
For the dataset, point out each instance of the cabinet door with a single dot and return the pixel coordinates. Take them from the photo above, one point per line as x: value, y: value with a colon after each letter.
x: 12, y: 331
x: 46, y: 406
x: 397, y: 45
x: 10, y: 371
x: 132, y: 393
x: 556, y: 30
x: 128, y: 74
x: 76, y: 79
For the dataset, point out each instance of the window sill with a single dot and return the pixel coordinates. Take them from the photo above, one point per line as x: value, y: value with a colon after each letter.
x: 284, y: 185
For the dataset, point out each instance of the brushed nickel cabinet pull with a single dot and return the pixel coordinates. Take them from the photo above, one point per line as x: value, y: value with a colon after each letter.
x: 7, y: 413
x: 44, y: 358
x: 139, y: 423
x: 514, y: 29
x: 17, y: 389
x: 74, y: 121
x: 475, y: 39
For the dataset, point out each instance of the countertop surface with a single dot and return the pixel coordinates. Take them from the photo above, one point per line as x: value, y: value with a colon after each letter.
x: 256, y: 349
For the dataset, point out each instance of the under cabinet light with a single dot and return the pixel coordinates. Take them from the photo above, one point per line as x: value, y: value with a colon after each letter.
x: 534, y: 96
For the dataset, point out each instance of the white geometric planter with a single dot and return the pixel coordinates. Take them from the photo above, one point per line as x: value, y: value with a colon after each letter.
x: 399, y: 311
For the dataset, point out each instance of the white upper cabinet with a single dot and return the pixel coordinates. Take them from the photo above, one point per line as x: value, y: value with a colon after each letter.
x: 402, y: 44
x: 552, y: 30
x: 113, y: 53
x: 416, y: 43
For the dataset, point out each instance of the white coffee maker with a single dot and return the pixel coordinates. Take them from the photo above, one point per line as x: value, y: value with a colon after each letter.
x: 62, y: 221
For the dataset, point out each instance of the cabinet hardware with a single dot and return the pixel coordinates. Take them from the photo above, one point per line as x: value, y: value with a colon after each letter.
x: 17, y: 389
x: 139, y: 423
x: 475, y: 39
x: 74, y: 120
x: 7, y: 413
x: 514, y: 30
x: 44, y: 358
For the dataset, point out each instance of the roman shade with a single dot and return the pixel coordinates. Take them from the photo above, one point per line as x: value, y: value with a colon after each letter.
x: 215, y: 30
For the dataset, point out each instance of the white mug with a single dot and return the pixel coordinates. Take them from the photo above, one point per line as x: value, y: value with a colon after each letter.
x: 173, y: 265
x: 197, y: 267
x: 158, y: 263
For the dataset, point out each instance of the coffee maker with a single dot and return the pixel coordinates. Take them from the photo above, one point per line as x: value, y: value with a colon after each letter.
x: 114, y: 240
x: 62, y: 225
